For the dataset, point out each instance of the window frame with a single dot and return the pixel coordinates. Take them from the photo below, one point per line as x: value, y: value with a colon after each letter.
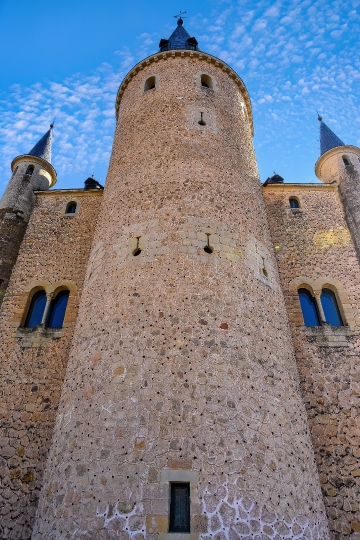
x: 172, y: 516
x: 296, y: 201
x: 146, y: 87
x: 30, y: 307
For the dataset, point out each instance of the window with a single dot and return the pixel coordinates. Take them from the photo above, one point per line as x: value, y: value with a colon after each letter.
x: 36, y: 309
x: 308, y: 308
x: 150, y: 83
x: 294, y: 203
x: 179, y: 508
x: 331, y: 308
x: 71, y: 208
x: 30, y: 170
x: 57, y: 310
x: 206, y: 81
x: 346, y: 161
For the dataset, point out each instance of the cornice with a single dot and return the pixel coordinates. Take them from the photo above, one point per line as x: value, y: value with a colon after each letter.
x: 67, y: 192
x: 192, y: 54
x: 299, y: 187
x: 35, y: 159
x: 332, y: 152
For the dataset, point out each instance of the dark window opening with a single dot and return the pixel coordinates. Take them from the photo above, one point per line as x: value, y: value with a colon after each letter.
x: 202, y: 121
x: 36, y: 309
x: 346, y: 161
x: 71, y: 208
x: 294, y: 203
x: 179, y: 508
x: 331, y: 308
x: 309, y: 308
x: 30, y: 170
x: 57, y: 310
x: 150, y: 84
x: 206, y: 81
x: 208, y: 248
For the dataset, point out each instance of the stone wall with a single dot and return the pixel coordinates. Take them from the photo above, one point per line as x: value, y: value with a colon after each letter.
x: 182, y: 367
x: 314, y: 247
x: 54, y: 252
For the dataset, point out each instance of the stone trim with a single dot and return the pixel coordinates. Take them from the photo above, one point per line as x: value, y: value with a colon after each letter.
x: 34, y: 159
x: 327, y: 334
x: 192, y: 54
x: 332, y: 152
x: 69, y: 192
x: 298, y: 187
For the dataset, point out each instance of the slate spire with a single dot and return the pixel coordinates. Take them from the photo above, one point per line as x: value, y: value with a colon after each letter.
x: 179, y: 39
x: 328, y: 139
x: 42, y: 149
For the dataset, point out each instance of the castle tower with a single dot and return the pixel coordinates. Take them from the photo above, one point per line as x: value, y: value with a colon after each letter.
x: 340, y: 163
x: 30, y: 172
x: 180, y: 410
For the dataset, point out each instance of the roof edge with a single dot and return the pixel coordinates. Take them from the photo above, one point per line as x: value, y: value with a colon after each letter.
x: 40, y: 161
x: 192, y: 54
x: 333, y: 151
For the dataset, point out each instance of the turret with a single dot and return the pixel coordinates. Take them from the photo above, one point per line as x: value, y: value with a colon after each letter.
x: 340, y: 163
x: 180, y: 414
x: 30, y: 172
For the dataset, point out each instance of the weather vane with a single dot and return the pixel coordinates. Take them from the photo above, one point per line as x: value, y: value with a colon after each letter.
x: 181, y: 15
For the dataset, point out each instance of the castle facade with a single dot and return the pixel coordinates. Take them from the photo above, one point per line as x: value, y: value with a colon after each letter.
x: 180, y: 350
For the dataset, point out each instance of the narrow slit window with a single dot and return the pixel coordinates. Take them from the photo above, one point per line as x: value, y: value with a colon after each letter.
x: 57, y: 310
x: 331, y: 308
x: 294, y: 203
x: 346, y: 161
x: 206, y: 81
x: 36, y: 309
x: 150, y: 84
x: 30, y: 170
x: 179, y: 508
x: 309, y: 308
x: 71, y: 208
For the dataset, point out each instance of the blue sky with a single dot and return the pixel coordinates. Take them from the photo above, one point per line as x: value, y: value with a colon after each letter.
x: 67, y: 59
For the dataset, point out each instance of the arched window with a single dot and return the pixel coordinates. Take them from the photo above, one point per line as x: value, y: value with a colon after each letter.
x: 294, y: 203
x: 206, y: 81
x: 308, y: 308
x: 331, y: 308
x: 150, y: 83
x: 30, y: 170
x: 346, y: 161
x: 71, y: 208
x: 36, y: 309
x: 57, y: 310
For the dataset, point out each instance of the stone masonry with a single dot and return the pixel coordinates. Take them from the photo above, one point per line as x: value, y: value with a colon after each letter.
x: 183, y: 356
x: 314, y: 248
x: 182, y: 367
x: 33, y: 361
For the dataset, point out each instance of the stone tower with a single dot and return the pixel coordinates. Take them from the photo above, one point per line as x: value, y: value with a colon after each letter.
x: 30, y: 172
x: 340, y: 163
x: 180, y: 410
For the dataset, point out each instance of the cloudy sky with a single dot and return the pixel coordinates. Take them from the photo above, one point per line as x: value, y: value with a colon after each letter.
x: 67, y: 59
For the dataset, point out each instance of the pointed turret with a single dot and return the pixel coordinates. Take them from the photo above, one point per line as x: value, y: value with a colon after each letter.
x: 179, y: 39
x: 328, y: 139
x: 30, y: 172
x: 42, y: 149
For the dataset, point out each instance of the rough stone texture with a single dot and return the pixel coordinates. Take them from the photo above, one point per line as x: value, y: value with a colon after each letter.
x: 179, y: 354
x: 55, y: 250
x: 15, y: 208
x: 314, y: 247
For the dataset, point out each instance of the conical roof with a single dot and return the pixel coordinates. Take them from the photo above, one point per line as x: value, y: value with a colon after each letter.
x: 42, y: 149
x: 328, y: 139
x: 179, y: 39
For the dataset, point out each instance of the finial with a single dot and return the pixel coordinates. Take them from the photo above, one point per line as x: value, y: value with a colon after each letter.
x: 52, y: 124
x: 319, y: 117
x: 180, y: 17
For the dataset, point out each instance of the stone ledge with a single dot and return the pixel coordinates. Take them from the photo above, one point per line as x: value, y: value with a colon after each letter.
x: 329, y: 336
x: 178, y: 536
